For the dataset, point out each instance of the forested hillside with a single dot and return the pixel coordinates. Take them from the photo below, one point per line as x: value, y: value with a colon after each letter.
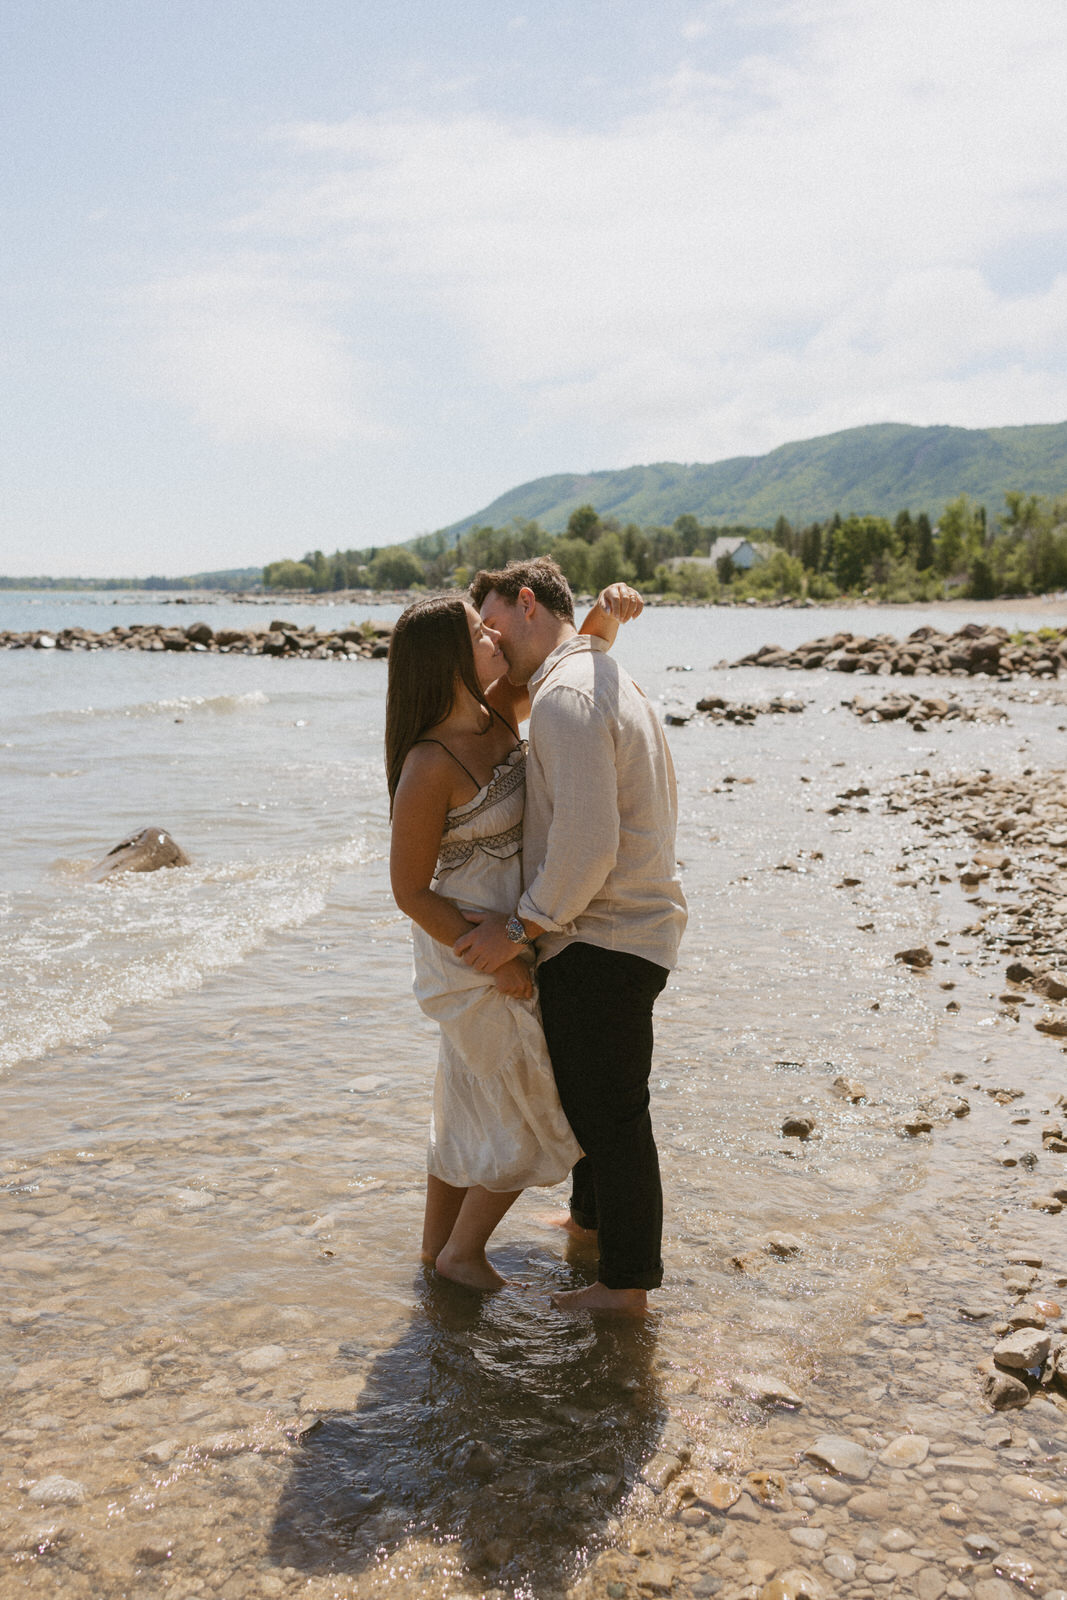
x: 871, y: 471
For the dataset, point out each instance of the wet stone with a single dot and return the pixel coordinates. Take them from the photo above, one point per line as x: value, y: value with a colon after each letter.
x: 794, y: 1584
x: 1016, y: 1568
x: 897, y: 1539
x: 1022, y: 1351
x: 843, y: 1456
x: 981, y: 1546
x: 808, y: 1538
x: 660, y: 1470
x: 829, y: 1491
x: 744, y: 1509
x: 58, y: 1491
x: 264, y: 1359
x: 1024, y: 1488
x: 126, y: 1385
x: 1005, y: 1392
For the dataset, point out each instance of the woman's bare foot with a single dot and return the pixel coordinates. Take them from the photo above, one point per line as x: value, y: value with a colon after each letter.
x: 598, y: 1297
x: 473, y: 1272
x: 566, y: 1222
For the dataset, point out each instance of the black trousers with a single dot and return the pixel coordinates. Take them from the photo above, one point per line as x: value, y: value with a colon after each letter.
x: 596, y: 1007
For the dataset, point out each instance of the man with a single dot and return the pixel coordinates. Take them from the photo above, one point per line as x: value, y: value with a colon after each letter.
x: 603, y: 906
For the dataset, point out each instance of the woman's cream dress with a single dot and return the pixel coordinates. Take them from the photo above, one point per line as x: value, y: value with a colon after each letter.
x: 496, y: 1120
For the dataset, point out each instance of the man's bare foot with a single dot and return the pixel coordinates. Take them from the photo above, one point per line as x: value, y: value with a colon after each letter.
x: 598, y: 1297
x: 472, y: 1273
x: 564, y: 1220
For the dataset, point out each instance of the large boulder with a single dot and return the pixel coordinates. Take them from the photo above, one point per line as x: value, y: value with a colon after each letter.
x: 145, y: 851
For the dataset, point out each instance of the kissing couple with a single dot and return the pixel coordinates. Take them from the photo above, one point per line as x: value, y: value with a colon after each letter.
x: 541, y: 881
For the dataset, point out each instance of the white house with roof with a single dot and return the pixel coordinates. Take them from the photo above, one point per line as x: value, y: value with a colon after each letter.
x: 744, y: 553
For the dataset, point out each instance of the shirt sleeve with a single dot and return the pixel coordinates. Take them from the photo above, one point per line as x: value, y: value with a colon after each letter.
x: 575, y: 768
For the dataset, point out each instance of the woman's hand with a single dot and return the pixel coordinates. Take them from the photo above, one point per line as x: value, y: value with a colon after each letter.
x: 620, y: 601
x: 514, y: 978
x: 613, y: 605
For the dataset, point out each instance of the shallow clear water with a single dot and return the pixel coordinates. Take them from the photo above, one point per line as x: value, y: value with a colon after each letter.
x: 215, y: 1096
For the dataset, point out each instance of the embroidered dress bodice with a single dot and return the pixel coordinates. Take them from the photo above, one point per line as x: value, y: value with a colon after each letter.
x: 483, y: 835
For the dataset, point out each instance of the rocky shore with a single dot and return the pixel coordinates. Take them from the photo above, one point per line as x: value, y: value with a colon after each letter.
x: 1005, y: 840
x: 974, y: 649
x: 369, y: 641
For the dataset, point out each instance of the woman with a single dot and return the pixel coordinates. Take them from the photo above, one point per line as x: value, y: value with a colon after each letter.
x: 455, y: 767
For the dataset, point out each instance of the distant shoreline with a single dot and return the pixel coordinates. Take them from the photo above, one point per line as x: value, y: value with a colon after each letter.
x: 1015, y: 605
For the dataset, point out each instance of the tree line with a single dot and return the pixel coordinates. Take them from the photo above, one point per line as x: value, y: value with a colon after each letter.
x: 964, y: 553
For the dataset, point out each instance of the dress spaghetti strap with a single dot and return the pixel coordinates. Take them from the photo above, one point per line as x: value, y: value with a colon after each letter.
x: 493, y: 712
x: 456, y: 759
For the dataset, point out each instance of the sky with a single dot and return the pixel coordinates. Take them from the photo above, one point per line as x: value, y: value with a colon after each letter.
x: 282, y: 275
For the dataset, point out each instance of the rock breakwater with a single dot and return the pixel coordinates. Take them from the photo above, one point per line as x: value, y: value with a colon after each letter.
x: 971, y: 651
x: 369, y: 641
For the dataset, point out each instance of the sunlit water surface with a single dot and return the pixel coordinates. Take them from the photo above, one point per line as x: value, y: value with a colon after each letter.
x: 215, y: 1090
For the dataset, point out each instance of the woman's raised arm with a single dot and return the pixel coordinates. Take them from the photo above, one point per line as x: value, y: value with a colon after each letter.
x: 614, y: 605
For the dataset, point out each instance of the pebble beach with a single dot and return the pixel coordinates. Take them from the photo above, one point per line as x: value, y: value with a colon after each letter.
x: 222, y: 1371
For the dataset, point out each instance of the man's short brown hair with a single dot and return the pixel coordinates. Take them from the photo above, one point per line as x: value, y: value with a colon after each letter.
x: 542, y: 576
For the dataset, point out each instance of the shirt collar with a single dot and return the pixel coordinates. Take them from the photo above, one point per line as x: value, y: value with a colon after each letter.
x: 577, y: 644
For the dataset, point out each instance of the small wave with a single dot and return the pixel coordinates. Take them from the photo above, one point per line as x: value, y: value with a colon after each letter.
x: 185, y: 705
x: 144, y: 936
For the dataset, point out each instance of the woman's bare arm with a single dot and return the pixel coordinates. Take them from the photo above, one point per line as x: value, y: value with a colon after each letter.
x: 420, y: 807
x: 614, y: 605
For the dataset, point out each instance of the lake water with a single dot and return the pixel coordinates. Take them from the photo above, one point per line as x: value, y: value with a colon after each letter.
x: 215, y: 1090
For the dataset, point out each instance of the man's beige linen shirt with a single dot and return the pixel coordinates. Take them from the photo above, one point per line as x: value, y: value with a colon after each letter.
x: 601, y: 811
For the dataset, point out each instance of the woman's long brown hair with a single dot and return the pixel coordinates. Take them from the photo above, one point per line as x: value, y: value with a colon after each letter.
x: 429, y: 655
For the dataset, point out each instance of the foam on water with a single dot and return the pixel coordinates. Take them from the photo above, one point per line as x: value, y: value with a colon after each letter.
x: 68, y: 964
x: 186, y: 705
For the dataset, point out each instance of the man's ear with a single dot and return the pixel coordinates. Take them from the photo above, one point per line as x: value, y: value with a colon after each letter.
x: 527, y: 600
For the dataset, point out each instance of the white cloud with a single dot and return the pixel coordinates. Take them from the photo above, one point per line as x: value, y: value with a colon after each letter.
x: 786, y: 247
x: 253, y: 354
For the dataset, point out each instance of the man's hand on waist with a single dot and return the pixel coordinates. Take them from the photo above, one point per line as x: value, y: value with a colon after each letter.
x: 487, y: 947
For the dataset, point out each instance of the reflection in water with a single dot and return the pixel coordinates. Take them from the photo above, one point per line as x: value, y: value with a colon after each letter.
x: 496, y: 1427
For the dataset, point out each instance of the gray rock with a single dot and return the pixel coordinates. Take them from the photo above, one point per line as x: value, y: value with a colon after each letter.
x: 126, y: 1385
x: 58, y: 1491
x: 1017, y: 1568
x: 981, y: 1546
x: 843, y: 1456
x: 798, y: 1126
x: 744, y: 1509
x: 658, y: 1471
x: 994, y: 1589
x: 144, y: 851
x: 908, y: 1450
x: 796, y: 1583
x: 263, y: 1359
x: 808, y: 1538
x: 897, y: 1539
x: 783, y: 1245
x: 916, y: 958
x: 872, y: 1504
x: 1023, y: 1351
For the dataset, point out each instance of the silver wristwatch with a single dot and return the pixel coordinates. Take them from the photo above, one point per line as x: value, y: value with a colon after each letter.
x: 515, y: 931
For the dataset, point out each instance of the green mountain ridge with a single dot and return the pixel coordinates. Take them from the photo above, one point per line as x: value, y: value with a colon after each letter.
x: 876, y: 470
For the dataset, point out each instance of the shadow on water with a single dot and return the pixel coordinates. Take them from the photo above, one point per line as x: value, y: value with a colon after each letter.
x: 496, y: 1429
